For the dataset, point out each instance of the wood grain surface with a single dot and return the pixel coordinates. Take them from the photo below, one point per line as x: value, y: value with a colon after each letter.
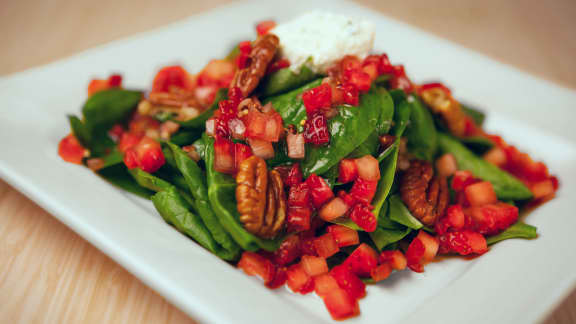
x: 48, y: 274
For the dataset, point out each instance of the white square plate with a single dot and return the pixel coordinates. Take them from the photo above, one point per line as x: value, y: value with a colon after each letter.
x: 518, y: 281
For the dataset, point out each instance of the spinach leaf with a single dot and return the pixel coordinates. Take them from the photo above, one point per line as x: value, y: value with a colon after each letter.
x: 383, y: 237
x: 186, y: 137
x: 518, y: 230
x: 222, y: 196
x: 176, y: 211
x: 478, y: 144
x: 113, y: 158
x: 79, y: 130
x: 119, y: 176
x: 507, y: 187
x: 289, y: 105
x: 106, y: 108
x: 347, y: 222
x: 285, y: 80
x: 200, y: 146
x: 399, y: 213
x: 421, y: 133
x: 476, y: 115
x: 351, y: 127
x: 368, y: 147
x: 197, y: 185
x: 200, y: 120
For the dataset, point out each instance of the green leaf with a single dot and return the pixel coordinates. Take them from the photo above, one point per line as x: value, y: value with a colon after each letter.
x: 421, y: 133
x: 200, y: 146
x: 348, y: 223
x: 351, y: 127
x: 518, y: 230
x: 285, y: 80
x: 399, y: 213
x: 106, y: 108
x: 506, y: 186
x: 477, y: 144
x: 289, y: 105
x: 186, y: 137
x: 200, y: 120
x: 149, y: 181
x: 79, y: 130
x: 368, y: 147
x: 119, y: 176
x: 222, y: 196
x: 383, y: 237
x: 476, y: 115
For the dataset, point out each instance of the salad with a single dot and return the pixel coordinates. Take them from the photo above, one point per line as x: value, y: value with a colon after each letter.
x: 308, y: 160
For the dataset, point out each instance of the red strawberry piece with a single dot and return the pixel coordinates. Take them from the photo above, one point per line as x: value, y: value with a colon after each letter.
x: 320, y: 192
x: 362, y: 215
x: 364, y: 190
x: 288, y: 251
x: 362, y: 260
x: 317, y: 98
x: 316, y: 130
x: 348, y: 281
x: 348, y: 171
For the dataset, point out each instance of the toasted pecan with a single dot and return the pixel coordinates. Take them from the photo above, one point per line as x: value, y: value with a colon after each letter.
x: 449, y: 108
x: 252, y: 186
x: 262, y: 53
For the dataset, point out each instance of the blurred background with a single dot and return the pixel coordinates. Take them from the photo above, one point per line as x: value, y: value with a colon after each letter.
x: 538, y: 37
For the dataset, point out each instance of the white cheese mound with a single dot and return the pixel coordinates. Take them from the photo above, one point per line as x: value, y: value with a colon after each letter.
x: 320, y: 39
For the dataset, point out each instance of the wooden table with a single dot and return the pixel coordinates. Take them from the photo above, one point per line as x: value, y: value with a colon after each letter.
x: 49, y: 274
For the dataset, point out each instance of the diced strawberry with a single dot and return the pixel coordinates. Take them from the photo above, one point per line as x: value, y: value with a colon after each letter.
x: 340, y: 304
x: 325, y: 245
x: 241, y: 153
x: 333, y: 209
x: 421, y: 250
x: 294, y: 176
x: 265, y: 26
x: 435, y: 85
x: 358, y: 78
x: 307, y: 243
x: 496, y: 156
x: 277, y: 65
x: 453, y: 218
x: 362, y: 260
x: 324, y: 283
x: 368, y: 168
x: 298, y: 218
x: 364, y: 190
x: 542, y: 189
x: 308, y: 287
x: 314, y: 265
x: 343, y: 235
x: 130, y: 159
x: 139, y: 124
x: 381, y: 272
x: 351, y: 96
x: 296, y: 145
x: 348, y: 171
x: 362, y: 215
x: 280, y: 278
x: 115, y: 80
x: 254, y: 264
x: 70, y: 150
x: 288, y: 251
x: 224, y: 156
x: 298, y: 279
x: 320, y: 192
x: 348, y: 281
x: 256, y: 123
x: 218, y: 73
x: 261, y: 148
x: 347, y: 198
x: 97, y: 85
x: 395, y: 258
x: 299, y: 195
x: 463, y: 242
x: 149, y: 154
x: 462, y: 179
x: 480, y: 193
x: 493, y: 218
x: 446, y: 165
x: 371, y: 69
x: 237, y: 128
x: 171, y: 76
x: 116, y: 132
x: 317, y: 98
x: 316, y: 130
x: 274, y: 127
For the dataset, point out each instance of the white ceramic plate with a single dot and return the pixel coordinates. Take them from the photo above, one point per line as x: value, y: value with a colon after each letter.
x: 518, y: 281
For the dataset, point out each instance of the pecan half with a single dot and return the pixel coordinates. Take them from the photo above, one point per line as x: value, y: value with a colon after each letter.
x: 262, y: 53
x: 176, y: 98
x: 425, y: 195
x: 275, y: 192
x: 449, y: 108
x: 251, y: 189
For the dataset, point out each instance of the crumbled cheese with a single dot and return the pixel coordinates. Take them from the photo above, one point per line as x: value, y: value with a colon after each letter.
x: 320, y: 39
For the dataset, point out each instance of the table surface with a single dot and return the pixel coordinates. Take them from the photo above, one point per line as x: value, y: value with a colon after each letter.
x: 48, y: 274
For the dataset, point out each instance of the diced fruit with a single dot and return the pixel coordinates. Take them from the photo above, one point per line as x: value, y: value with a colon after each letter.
x: 316, y: 130
x: 368, y: 168
x: 274, y: 127
x: 496, y: 156
x: 280, y: 278
x: 298, y: 218
x: 453, y: 218
x: 288, y: 251
x: 139, y: 124
x: 446, y: 165
x: 347, y: 198
x: 343, y: 235
x: 130, y: 159
x: 70, y: 149
x: 307, y: 243
x: 241, y: 153
x: 149, y: 154
x: 542, y: 189
x: 299, y: 195
x: 358, y: 78
x: 462, y: 179
x: 340, y: 304
x: 317, y: 98
x: 314, y: 265
x: 171, y: 76
x: 348, y: 281
x: 116, y: 132
x: 362, y: 260
x: 263, y: 126
x: 362, y: 215
x: 296, y: 145
x: 480, y: 193
x: 351, y: 95
x: 224, y: 156
x: 324, y: 283
x: 264, y: 27
x: 348, y: 171
x: 308, y: 287
x: 294, y: 176
x: 297, y: 278
x: 237, y: 128
x: 320, y: 192
x: 326, y: 246
x: 277, y: 65
x: 211, y: 126
x: 463, y: 242
x: 217, y: 73
x: 256, y: 265
x: 421, y: 250
x: 97, y: 85
x: 371, y: 69
x: 260, y: 148
x: 364, y: 190
x: 493, y: 218
x: 335, y: 208
x: 381, y: 272
x: 395, y: 258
